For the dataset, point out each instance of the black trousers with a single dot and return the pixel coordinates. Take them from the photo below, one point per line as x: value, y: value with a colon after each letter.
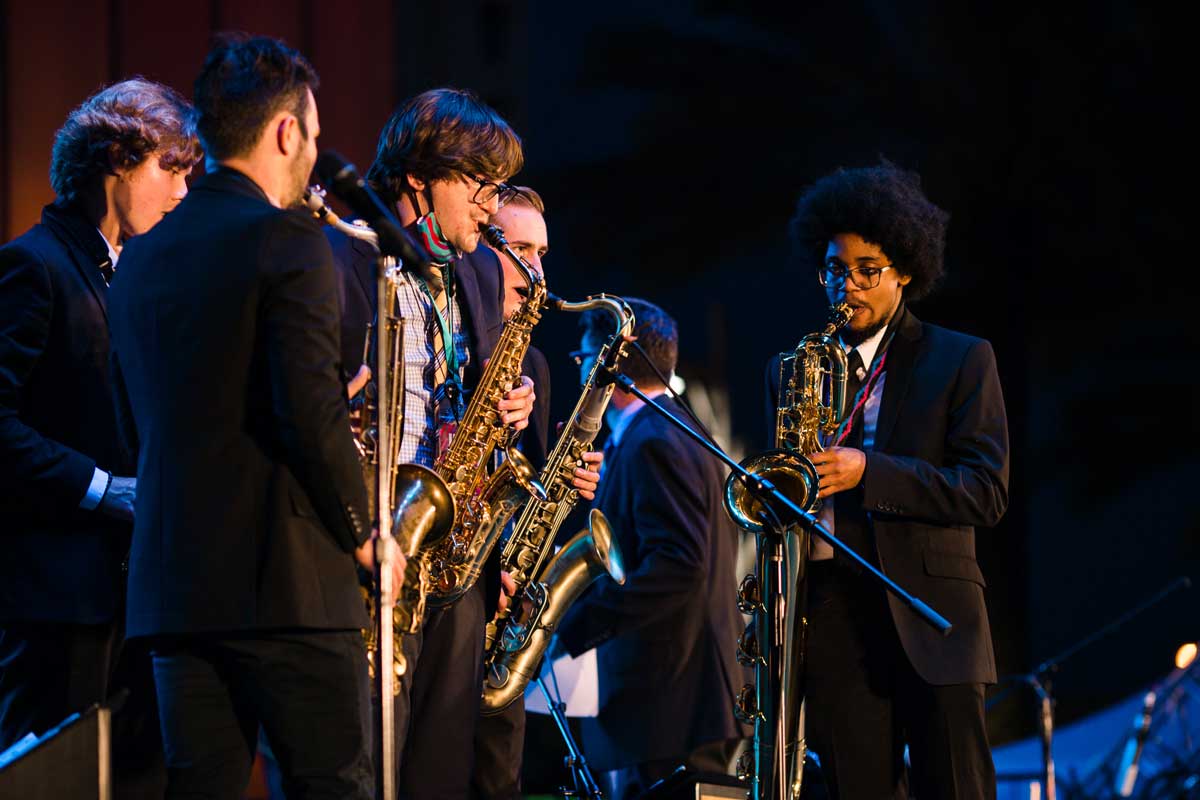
x: 49, y: 670
x: 499, y: 751
x: 864, y: 702
x: 309, y: 690
x: 438, y: 705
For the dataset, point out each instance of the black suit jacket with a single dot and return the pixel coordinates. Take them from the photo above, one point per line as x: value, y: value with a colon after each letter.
x: 250, y: 498
x: 666, y: 639
x: 57, y: 423
x: 938, y: 469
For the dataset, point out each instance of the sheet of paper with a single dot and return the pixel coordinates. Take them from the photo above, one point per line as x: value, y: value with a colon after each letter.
x: 577, y: 681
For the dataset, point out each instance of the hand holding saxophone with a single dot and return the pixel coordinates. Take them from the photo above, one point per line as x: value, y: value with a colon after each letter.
x: 365, y: 556
x: 839, y: 469
x: 516, y: 404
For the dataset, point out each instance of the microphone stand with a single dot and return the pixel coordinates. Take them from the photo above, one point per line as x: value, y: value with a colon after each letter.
x: 581, y: 774
x: 779, y: 513
x: 773, y: 499
x: 1041, y: 680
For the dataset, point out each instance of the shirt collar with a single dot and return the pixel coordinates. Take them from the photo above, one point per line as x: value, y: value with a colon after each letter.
x: 112, y: 251
x: 619, y: 418
x: 867, y: 350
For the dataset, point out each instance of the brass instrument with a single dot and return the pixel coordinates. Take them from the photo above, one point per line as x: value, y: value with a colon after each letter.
x: 511, y: 656
x: 418, y: 502
x: 512, y: 663
x: 483, y: 505
x: 812, y: 396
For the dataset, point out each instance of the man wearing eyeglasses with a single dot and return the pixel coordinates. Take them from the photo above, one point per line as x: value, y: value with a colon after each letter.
x: 920, y: 460
x: 441, y: 162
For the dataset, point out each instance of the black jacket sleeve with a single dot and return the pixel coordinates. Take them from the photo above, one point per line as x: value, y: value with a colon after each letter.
x: 671, y: 528
x: 32, y: 467
x: 299, y: 313
x: 971, y: 486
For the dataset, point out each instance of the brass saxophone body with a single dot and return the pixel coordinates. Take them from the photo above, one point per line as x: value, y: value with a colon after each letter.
x: 812, y: 396
x: 482, y: 504
x: 417, y: 500
x: 514, y: 648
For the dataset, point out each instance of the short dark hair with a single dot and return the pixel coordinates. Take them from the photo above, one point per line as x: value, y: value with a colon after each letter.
x: 884, y: 205
x: 244, y: 82
x: 656, y: 332
x: 440, y: 132
x: 118, y: 128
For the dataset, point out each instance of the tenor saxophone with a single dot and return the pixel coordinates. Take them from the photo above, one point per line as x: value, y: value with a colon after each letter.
x: 811, y: 402
x: 482, y: 504
x: 416, y: 498
x: 513, y: 648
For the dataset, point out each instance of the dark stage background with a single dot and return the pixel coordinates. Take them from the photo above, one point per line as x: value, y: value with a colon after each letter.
x: 670, y: 141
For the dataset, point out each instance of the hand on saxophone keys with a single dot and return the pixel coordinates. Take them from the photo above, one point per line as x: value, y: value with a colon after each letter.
x: 839, y: 468
x: 587, y: 476
x: 360, y: 379
x: 517, y: 404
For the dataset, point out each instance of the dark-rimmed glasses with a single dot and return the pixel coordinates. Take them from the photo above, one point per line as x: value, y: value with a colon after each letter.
x: 489, y: 189
x: 834, y: 273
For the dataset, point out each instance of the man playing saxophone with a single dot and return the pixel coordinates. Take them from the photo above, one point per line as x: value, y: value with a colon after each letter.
x: 441, y: 163
x: 921, y: 458
x: 500, y: 738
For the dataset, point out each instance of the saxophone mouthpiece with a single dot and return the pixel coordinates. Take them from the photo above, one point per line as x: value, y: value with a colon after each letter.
x: 495, y: 236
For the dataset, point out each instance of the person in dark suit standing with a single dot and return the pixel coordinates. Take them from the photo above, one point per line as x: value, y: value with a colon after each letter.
x: 442, y: 162
x: 666, y: 639
x: 920, y: 461
x: 66, y: 476
x: 252, y: 512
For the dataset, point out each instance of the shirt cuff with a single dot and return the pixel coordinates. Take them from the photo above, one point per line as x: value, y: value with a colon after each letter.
x: 95, y: 492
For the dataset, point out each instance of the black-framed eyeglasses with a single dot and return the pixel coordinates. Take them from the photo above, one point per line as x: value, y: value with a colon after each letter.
x: 489, y: 189
x: 834, y: 273
x: 580, y: 356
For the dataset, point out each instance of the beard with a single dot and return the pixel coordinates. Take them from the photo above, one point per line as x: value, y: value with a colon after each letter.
x: 299, y: 171
x: 854, y: 336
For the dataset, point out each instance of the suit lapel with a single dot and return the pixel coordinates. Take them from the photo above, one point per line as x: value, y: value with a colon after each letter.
x: 86, y: 247
x: 900, y: 358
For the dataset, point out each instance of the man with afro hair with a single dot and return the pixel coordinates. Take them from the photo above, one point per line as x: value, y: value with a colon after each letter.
x: 920, y: 459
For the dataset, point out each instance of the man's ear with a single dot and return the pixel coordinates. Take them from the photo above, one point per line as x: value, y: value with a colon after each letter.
x: 415, y: 183
x: 287, y: 133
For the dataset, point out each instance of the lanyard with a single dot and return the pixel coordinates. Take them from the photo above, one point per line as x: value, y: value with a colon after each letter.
x: 861, y: 399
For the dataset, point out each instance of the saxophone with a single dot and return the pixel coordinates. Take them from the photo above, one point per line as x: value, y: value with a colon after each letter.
x: 811, y: 402
x: 417, y: 499
x: 513, y: 648
x: 483, y: 505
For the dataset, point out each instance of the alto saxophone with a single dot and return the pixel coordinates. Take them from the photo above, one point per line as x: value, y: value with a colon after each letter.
x: 513, y: 648
x: 811, y: 402
x: 416, y: 498
x: 483, y: 505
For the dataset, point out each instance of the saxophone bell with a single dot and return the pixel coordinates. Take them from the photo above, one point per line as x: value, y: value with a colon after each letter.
x: 591, y: 554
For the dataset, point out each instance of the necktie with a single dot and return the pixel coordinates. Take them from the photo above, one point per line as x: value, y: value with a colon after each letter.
x: 107, y: 270
x: 855, y: 374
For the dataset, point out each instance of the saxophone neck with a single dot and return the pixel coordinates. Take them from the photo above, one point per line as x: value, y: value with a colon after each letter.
x: 314, y: 201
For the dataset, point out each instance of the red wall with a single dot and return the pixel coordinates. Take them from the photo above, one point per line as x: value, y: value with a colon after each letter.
x: 56, y: 53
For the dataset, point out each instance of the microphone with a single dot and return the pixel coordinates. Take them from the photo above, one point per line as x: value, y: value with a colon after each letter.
x: 341, y: 178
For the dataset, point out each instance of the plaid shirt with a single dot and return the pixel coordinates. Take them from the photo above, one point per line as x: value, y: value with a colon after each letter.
x: 423, y: 414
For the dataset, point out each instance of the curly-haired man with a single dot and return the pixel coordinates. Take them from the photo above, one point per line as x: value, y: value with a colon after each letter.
x: 66, y: 499
x: 920, y: 460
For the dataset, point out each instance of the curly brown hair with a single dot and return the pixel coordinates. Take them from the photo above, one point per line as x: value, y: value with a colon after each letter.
x: 440, y: 132
x: 118, y: 128
x: 883, y: 204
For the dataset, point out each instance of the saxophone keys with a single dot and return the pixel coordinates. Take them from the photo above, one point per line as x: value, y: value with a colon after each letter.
x: 749, y: 596
x: 746, y: 707
x: 748, y: 652
x: 745, y: 765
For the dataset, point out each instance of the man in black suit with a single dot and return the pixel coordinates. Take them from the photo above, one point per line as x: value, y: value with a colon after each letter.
x: 252, y: 511
x: 921, y: 459
x: 666, y: 638
x: 66, y: 488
